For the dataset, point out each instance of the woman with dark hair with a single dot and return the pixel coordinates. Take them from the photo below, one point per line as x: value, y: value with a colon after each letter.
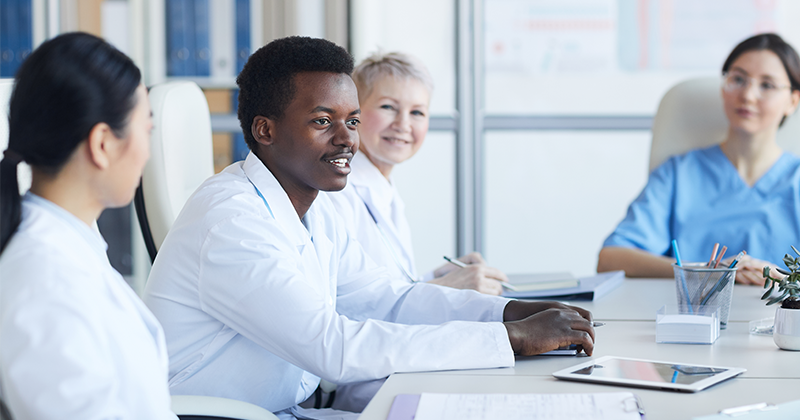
x: 743, y: 193
x: 75, y: 341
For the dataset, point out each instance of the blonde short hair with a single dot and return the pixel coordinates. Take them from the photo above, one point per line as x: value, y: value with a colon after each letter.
x: 395, y: 64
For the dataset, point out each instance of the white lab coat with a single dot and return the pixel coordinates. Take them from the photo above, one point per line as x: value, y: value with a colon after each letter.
x: 75, y: 340
x: 368, y: 201
x: 257, y: 307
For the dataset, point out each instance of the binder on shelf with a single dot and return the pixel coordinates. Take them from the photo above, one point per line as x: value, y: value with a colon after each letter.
x: 589, y: 288
x: 239, y: 146
x: 242, y: 33
x: 16, y: 34
x: 188, y: 51
x: 178, y: 52
x: 202, y: 44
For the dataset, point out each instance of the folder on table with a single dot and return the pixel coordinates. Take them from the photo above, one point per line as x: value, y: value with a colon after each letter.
x: 588, y: 288
x: 542, y: 281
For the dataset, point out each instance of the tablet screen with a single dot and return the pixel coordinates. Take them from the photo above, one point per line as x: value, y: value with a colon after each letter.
x: 648, y: 371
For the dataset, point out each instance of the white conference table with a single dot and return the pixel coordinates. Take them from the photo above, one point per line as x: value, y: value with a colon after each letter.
x: 773, y: 375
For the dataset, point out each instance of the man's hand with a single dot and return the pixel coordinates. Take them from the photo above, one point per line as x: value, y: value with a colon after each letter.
x: 550, y: 329
x: 517, y: 309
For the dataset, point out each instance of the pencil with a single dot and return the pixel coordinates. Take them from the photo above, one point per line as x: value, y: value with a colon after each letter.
x: 713, y: 254
x: 719, y: 257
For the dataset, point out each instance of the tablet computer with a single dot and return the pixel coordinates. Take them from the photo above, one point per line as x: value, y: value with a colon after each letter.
x: 611, y: 370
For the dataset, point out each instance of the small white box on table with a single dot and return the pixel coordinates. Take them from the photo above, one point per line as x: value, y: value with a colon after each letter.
x: 683, y: 324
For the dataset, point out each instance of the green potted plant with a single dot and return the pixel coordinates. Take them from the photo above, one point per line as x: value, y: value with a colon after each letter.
x: 787, y: 317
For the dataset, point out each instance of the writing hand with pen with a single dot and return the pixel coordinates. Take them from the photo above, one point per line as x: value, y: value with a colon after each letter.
x: 538, y: 327
x: 470, y: 272
x: 751, y: 269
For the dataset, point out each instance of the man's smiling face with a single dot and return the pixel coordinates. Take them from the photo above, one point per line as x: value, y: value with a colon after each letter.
x: 310, y: 147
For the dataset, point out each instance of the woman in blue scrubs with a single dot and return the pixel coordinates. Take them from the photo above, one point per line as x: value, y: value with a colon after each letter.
x: 743, y: 193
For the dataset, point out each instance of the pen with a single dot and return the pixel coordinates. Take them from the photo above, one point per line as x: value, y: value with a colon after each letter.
x: 458, y: 263
x: 723, y: 281
x: 598, y: 324
x: 683, y: 280
x: 677, y: 254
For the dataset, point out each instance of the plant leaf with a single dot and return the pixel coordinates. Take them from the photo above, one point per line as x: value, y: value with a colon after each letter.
x: 795, y: 250
x: 777, y: 299
x: 782, y: 271
x: 769, y: 292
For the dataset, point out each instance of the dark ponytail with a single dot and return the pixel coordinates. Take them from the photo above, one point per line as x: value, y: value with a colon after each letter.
x: 62, y: 90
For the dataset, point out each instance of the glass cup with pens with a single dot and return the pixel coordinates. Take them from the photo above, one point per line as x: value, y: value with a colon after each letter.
x: 706, y: 283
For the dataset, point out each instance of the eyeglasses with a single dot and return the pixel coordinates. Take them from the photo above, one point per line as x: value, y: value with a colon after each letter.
x: 737, y: 82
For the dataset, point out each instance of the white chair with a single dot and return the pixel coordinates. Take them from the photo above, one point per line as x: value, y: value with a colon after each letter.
x: 23, y: 171
x: 180, y: 160
x: 181, y: 157
x: 691, y: 116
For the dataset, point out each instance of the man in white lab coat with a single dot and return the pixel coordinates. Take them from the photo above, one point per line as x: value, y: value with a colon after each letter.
x: 262, y: 292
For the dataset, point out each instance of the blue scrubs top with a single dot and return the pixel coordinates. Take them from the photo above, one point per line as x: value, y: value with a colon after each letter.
x: 699, y: 199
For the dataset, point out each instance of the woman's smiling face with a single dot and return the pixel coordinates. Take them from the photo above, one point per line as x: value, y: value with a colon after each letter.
x: 394, y: 121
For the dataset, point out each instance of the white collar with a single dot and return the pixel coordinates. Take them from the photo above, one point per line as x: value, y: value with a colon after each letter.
x: 91, y: 236
x: 275, y: 199
x: 366, y: 177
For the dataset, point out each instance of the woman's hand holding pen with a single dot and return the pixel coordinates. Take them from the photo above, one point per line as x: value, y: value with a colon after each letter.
x: 478, y: 277
x: 750, y: 270
x: 473, y: 258
x: 474, y: 274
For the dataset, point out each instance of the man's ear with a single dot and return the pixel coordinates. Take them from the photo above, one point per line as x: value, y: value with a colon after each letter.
x: 263, y: 130
x: 99, y: 142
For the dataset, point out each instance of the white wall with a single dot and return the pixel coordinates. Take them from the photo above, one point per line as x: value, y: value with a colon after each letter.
x: 552, y: 197
x: 427, y: 183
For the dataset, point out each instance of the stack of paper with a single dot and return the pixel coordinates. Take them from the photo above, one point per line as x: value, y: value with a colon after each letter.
x: 684, y: 328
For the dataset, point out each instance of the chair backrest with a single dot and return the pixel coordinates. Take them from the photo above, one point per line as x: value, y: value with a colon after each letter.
x: 23, y: 171
x: 691, y: 116
x: 181, y: 157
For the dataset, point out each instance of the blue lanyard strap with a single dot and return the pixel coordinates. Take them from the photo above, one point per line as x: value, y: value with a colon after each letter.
x: 387, y: 242
x: 260, y: 195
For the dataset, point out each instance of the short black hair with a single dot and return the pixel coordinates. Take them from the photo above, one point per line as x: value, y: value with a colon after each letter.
x: 266, y: 83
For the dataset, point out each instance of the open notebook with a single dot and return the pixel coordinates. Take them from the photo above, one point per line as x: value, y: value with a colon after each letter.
x: 600, y: 406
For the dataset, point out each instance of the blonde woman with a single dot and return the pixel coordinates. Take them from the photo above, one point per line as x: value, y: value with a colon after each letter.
x: 394, y: 91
